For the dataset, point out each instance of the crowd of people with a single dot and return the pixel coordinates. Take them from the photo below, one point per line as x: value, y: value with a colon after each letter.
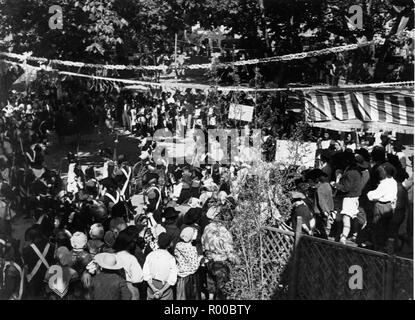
x: 91, y: 239
x: 359, y: 191
x: 159, y: 230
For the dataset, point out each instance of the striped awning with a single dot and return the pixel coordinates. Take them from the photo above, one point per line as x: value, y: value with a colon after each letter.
x: 394, y: 106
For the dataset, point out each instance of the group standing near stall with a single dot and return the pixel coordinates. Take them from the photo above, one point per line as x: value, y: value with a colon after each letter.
x: 160, y: 230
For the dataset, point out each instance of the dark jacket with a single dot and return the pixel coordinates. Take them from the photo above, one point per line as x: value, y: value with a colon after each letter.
x: 174, y: 233
x: 109, y: 286
x: 350, y: 184
x: 35, y: 286
x: 323, y: 198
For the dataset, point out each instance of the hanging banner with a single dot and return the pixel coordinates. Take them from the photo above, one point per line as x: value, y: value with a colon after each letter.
x: 241, y: 112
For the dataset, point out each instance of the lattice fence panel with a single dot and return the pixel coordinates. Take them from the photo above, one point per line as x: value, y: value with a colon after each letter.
x: 403, y: 279
x: 277, y: 247
x: 323, y: 269
x: 323, y: 272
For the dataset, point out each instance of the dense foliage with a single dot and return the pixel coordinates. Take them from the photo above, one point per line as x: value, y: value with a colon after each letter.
x: 114, y: 31
x: 263, y: 200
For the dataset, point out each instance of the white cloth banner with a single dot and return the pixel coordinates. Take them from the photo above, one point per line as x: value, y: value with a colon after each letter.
x: 241, y: 112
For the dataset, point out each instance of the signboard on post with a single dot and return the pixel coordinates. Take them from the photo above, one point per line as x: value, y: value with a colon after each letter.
x: 241, y: 112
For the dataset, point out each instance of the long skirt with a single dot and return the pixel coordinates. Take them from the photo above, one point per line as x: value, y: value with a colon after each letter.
x: 188, y: 288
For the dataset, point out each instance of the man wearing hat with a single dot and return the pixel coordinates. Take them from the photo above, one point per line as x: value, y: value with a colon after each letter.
x: 362, y: 162
x: 301, y: 209
x: 108, y: 284
x: 170, y: 223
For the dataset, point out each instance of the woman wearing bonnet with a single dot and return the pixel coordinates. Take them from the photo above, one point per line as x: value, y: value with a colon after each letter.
x: 188, y: 262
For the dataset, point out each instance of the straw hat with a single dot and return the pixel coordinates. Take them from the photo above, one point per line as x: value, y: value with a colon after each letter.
x: 108, y: 261
x: 297, y: 195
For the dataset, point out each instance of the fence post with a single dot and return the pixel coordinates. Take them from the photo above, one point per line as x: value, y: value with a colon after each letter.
x: 390, y: 265
x: 294, y: 276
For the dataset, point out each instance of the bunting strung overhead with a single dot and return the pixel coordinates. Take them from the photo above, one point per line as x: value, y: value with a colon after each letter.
x: 164, y: 68
x: 169, y: 86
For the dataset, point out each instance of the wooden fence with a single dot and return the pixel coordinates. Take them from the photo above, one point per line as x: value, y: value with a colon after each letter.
x: 297, y: 266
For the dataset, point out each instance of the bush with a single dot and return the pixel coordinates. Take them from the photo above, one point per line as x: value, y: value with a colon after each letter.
x: 263, y: 200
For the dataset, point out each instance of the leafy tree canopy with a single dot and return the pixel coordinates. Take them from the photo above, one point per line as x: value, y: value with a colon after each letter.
x: 111, y: 31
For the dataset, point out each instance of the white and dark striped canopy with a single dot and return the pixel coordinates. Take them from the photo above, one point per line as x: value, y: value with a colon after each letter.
x: 393, y: 106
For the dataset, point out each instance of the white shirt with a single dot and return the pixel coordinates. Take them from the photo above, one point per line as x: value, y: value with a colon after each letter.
x: 325, y: 144
x: 177, y: 190
x: 160, y: 265
x: 133, y: 271
x: 386, y: 191
x: 378, y: 140
x: 402, y: 158
x: 350, y: 146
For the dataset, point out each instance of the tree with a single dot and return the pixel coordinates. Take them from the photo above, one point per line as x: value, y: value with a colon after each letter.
x: 112, y: 31
x: 91, y: 29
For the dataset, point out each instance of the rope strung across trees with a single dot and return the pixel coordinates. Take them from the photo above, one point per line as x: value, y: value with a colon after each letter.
x: 219, y: 88
x: 287, y: 57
